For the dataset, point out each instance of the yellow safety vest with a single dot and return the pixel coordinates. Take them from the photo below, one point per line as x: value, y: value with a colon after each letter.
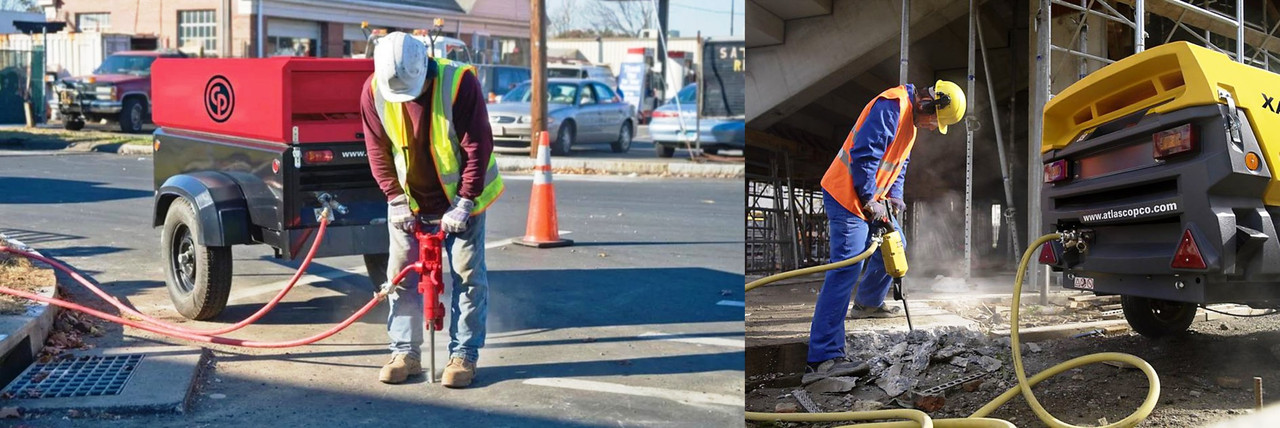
x: 445, y: 148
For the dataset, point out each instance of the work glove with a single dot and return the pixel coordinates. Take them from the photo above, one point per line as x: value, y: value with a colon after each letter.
x: 898, y: 205
x: 400, y: 215
x: 877, y: 212
x: 455, y: 221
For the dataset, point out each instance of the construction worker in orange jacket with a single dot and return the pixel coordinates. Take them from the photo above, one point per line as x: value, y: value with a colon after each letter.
x: 860, y: 189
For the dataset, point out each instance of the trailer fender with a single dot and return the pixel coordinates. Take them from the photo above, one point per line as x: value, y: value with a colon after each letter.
x: 219, y: 203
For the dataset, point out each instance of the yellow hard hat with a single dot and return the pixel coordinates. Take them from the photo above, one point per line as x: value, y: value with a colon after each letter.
x: 949, y: 113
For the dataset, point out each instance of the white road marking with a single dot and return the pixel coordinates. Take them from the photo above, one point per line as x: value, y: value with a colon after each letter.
x: 498, y: 243
x: 701, y: 340
x: 274, y: 287
x: 732, y: 303
x: 684, y: 397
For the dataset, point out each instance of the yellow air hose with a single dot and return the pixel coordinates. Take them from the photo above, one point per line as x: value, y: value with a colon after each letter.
x: 916, y: 418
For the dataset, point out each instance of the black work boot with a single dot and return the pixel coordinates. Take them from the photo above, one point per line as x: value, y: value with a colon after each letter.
x: 838, y: 366
x: 883, y: 311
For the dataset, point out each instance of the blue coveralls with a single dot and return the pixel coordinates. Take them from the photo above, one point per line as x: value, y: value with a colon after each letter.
x: 851, y: 235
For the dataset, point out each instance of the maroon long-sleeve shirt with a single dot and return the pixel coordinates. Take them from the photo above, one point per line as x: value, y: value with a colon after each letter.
x: 470, y: 121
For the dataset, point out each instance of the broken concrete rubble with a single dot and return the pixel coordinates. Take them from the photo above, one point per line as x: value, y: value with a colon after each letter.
x: 832, y: 385
x: 867, y: 405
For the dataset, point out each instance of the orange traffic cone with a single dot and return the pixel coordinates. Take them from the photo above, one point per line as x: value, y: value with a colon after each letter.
x: 542, y: 230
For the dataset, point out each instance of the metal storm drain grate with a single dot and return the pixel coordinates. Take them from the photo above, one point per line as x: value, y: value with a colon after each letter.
x: 84, y: 376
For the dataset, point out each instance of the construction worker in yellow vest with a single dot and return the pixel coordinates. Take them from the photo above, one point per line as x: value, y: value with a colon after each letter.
x: 430, y: 148
x: 861, y: 188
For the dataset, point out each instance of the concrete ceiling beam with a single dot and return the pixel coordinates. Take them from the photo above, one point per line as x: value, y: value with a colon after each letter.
x: 796, y: 9
x: 763, y: 27
x: 821, y: 54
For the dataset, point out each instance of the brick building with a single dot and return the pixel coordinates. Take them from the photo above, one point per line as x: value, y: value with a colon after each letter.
x: 497, y: 29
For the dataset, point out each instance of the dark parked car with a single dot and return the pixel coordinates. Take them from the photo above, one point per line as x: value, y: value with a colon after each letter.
x: 119, y: 90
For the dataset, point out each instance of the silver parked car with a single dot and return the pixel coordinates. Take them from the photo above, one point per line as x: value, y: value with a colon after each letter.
x: 713, y: 133
x: 580, y: 111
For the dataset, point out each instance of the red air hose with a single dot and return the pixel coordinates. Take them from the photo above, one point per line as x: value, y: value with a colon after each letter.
x: 306, y: 262
x: 203, y: 338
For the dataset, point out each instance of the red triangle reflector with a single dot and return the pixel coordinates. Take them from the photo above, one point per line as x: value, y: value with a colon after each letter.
x: 1188, y: 255
x: 1046, y: 254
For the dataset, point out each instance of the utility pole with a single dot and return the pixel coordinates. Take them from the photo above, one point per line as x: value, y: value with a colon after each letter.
x: 538, y: 87
x: 732, y: 8
x: 664, y: 8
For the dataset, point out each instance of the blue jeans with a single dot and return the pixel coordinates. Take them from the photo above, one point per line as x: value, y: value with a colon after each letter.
x: 849, y: 237
x: 470, y: 292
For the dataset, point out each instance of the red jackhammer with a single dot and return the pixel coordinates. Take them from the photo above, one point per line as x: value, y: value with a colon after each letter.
x: 431, y: 283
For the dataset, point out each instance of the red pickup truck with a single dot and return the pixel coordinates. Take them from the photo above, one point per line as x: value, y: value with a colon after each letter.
x: 119, y: 90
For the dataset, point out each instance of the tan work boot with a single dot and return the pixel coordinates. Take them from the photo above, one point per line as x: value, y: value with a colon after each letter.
x: 400, y: 368
x: 459, y: 373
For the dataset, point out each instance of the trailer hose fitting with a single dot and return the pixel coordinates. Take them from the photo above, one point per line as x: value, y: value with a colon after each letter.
x: 330, y: 202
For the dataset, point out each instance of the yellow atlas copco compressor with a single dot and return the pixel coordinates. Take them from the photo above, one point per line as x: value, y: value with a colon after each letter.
x: 1161, y: 168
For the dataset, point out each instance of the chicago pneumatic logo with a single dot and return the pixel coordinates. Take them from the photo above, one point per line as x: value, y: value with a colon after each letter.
x: 219, y: 99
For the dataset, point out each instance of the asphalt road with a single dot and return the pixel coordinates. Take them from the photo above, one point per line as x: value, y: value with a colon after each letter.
x: 625, y: 328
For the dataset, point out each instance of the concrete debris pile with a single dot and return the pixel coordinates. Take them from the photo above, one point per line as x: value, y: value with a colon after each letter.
x: 916, y: 369
x: 994, y: 314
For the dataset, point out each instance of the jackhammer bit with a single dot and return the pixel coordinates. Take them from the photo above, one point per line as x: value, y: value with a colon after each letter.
x: 431, y: 284
x: 893, y: 251
x: 897, y: 295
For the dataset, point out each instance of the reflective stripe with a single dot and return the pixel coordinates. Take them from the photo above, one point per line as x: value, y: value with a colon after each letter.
x: 397, y: 132
x: 844, y: 158
x: 541, y: 177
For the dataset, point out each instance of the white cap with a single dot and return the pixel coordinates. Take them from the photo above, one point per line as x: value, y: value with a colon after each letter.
x: 400, y: 67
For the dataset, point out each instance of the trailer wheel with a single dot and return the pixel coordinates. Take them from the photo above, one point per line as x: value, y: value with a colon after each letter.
x: 132, y: 115
x: 198, y: 277
x: 1155, y: 318
x: 72, y: 124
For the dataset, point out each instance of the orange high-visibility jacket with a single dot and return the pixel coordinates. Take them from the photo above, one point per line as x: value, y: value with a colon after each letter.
x: 838, y: 181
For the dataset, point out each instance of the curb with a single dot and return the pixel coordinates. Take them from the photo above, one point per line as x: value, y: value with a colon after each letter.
x: 133, y: 149
x: 33, y: 330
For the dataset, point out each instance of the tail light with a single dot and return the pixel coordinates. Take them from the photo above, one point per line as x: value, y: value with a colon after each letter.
x: 1174, y: 141
x: 1047, y: 255
x: 1188, y: 255
x: 1056, y: 171
x: 312, y: 157
x: 665, y: 113
x: 493, y: 98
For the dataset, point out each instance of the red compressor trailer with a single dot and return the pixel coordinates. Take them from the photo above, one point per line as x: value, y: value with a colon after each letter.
x: 250, y: 151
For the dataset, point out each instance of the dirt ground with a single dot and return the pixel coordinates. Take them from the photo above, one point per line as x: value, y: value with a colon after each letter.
x: 18, y: 273
x: 50, y: 138
x: 1206, y: 376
